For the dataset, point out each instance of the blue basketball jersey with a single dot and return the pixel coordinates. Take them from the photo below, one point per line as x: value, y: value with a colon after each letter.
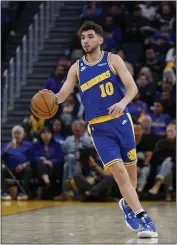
x: 100, y: 86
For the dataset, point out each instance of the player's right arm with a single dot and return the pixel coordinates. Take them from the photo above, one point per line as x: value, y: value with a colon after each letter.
x: 68, y: 85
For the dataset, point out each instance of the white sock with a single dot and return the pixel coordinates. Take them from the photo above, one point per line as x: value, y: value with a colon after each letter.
x: 139, y: 211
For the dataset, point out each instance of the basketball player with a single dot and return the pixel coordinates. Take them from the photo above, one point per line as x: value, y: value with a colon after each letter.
x: 106, y: 88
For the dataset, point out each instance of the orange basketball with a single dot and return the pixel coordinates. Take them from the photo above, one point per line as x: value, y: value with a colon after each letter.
x: 43, y: 105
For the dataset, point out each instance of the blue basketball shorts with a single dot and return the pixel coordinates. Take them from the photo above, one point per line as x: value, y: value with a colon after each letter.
x: 114, y: 140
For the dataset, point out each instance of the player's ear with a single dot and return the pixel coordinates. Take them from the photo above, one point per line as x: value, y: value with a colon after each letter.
x: 101, y: 40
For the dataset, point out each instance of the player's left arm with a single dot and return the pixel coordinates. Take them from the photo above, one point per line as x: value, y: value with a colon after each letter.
x: 128, y: 81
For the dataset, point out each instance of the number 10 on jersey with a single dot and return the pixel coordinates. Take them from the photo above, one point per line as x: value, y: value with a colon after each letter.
x: 107, y: 89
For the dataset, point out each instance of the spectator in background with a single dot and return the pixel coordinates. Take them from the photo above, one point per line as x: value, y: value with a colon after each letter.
x: 160, y: 120
x: 57, y: 131
x: 31, y: 134
x: 169, y: 75
x: 55, y: 81
x: 16, y: 155
x: 144, y: 147
x: 161, y: 47
x: 72, y: 146
x: 97, y: 9
x: 137, y: 108
x: 75, y: 44
x: 166, y: 153
x: 146, y: 89
x: 92, y: 183
x: 167, y: 86
x: 168, y: 103
x: 152, y: 62
x: 48, y: 159
x: 165, y: 32
x: 129, y: 66
x: 113, y: 35
x: 165, y: 13
x: 93, y: 13
x: 77, y: 141
x: 146, y: 72
x: 118, y: 16
x: 148, y: 10
x: 76, y: 54
x: 146, y: 122
x: 70, y: 109
x: 64, y: 62
x: 134, y: 24
x: 27, y: 125
x: 83, y: 128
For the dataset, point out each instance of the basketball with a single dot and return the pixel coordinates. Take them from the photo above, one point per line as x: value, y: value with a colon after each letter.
x: 43, y: 105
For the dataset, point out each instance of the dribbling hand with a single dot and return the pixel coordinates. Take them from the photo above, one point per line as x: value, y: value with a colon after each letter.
x: 116, y: 109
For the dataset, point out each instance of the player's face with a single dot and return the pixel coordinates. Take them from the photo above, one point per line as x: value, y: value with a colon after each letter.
x: 90, y: 41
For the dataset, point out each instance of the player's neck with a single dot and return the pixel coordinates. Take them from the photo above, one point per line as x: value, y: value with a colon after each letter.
x: 93, y: 57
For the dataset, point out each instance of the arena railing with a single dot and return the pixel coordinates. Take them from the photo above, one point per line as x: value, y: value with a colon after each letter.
x: 27, y: 53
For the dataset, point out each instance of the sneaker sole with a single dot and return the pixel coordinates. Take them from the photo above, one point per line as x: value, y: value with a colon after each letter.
x: 127, y: 224
x: 147, y: 234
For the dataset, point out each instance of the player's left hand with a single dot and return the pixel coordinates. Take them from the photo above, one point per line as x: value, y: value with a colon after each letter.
x: 116, y: 109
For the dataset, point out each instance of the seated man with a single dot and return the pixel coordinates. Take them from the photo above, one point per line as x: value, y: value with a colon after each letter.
x: 92, y: 183
x: 160, y: 120
x: 16, y: 155
x: 144, y: 146
x: 72, y: 146
x: 165, y: 151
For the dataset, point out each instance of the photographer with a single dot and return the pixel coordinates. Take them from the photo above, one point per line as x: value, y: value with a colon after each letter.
x: 92, y: 183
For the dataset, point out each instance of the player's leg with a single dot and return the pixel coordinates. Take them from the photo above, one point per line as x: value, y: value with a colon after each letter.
x: 132, y: 172
x: 127, y: 190
x: 109, y: 152
x: 128, y: 153
x: 106, y: 144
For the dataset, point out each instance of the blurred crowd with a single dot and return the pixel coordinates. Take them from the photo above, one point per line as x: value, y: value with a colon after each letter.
x: 55, y: 159
x: 10, y: 14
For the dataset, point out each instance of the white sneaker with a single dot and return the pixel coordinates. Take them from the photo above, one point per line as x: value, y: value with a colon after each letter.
x: 5, y: 197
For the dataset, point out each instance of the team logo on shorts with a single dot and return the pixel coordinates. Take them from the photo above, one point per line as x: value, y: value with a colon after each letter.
x: 132, y: 154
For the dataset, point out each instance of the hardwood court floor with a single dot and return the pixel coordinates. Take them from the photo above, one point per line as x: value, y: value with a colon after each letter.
x: 56, y: 222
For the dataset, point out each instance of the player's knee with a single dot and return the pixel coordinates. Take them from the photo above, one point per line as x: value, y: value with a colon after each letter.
x: 117, y: 166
